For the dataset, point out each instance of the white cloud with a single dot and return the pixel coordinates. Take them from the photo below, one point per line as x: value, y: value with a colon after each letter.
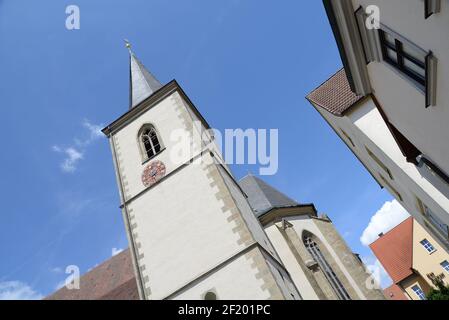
x: 16, y: 290
x: 56, y: 270
x: 378, y: 272
x: 71, y: 160
x: 94, y: 129
x: 94, y: 133
x: 56, y: 149
x: 75, y: 153
x: 116, y: 251
x: 386, y: 218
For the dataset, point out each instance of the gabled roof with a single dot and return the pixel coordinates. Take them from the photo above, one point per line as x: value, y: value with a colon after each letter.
x: 394, y: 250
x: 334, y: 95
x: 262, y: 197
x: 142, y: 83
x: 112, y: 280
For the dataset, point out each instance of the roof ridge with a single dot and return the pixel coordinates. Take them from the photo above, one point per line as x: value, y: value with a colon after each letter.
x: 258, y: 180
x: 262, y: 196
x: 392, y: 229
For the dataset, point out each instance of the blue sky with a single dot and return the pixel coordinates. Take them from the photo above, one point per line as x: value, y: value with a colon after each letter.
x: 245, y: 64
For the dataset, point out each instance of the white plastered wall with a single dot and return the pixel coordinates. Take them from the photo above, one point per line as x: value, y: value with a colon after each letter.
x: 181, y: 228
x: 289, y: 261
x: 364, y: 124
x: 404, y: 105
x: 305, y: 223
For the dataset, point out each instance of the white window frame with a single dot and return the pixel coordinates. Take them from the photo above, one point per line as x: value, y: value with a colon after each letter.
x: 419, y: 292
x: 142, y: 147
x: 428, y: 246
x: 445, y: 265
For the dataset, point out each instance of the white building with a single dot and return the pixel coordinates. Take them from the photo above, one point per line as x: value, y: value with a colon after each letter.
x: 395, y: 55
x: 359, y: 123
x: 195, y: 232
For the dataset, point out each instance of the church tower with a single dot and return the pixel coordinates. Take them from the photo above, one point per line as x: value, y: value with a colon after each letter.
x: 191, y: 230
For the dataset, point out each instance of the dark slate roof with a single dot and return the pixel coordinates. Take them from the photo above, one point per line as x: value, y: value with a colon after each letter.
x: 112, y: 280
x: 335, y: 94
x: 262, y: 197
x: 142, y: 83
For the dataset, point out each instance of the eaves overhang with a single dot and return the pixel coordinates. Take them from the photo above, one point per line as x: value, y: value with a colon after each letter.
x: 344, y: 26
x: 277, y: 213
x: 148, y: 103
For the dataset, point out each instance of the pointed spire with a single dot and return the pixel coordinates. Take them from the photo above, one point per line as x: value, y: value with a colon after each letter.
x: 142, y: 83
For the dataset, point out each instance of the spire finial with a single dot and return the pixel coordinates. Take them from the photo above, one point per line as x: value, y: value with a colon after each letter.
x: 128, y: 45
x: 142, y: 83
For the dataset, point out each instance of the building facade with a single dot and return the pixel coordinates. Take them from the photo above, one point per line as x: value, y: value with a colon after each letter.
x: 359, y: 123
x: 190, y: 229
x: 393, y: 53
x: 413, y: 259
x: 195, y: 232
x: 318, y: 259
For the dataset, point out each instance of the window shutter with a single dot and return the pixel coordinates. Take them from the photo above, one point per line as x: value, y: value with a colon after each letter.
x: 370, y: 38
x: 431, y: 7
x: 431, y: 80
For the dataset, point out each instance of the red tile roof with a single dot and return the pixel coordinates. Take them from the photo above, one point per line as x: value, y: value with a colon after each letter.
x: 114, y: 279
x: 335, y: 94
x: 394, y: 292
x: 394, y: 250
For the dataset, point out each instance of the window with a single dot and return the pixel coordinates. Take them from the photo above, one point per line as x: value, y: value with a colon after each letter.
x: 150, y: 142
x: 418, y: 291
x: 445, y: 265
x: 380, y: 163
x: 392, y: 189
x: 210, y: 296
x: 411, y: 61
x: 440, y: 226
x: 416, y: 65
x: 436, y: 222
x: 434, y: 170
x: 427, y: 245
x: 330, y: 275
x: 347, y: 137
x: 403, y: 57
x: 431, y: 7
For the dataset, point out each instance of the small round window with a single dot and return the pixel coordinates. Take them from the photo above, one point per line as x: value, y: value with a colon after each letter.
x: 210, y: 296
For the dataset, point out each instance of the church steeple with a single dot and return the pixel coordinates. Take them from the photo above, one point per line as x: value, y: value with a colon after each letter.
x: 142, y: 83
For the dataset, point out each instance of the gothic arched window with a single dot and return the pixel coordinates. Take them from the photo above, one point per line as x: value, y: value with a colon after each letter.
x: 150, y: 142
x: 330, y: 275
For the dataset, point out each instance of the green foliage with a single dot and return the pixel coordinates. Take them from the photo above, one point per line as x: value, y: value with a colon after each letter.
x: 442, y: 293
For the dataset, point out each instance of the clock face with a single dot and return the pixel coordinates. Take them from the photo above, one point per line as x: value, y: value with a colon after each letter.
x: 153, y: 173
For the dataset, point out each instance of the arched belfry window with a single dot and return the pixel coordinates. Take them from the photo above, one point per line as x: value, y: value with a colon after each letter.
x: 314, y: 250
x: 150, y: 141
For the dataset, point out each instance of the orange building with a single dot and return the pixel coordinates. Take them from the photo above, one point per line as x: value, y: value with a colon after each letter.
x: 413, y: 259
